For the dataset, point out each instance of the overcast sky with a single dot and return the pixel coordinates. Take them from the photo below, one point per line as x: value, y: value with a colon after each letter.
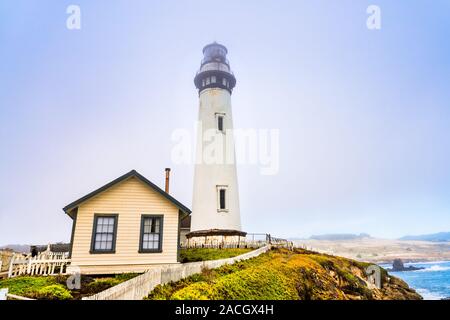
x: 363, y: 115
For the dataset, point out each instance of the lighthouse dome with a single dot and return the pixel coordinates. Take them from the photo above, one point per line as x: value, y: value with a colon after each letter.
x: 215, y: 69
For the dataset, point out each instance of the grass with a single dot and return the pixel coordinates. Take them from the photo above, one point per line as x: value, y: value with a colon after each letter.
x: 281, y: 275
x: 202, y: 254
x: 54, y: 287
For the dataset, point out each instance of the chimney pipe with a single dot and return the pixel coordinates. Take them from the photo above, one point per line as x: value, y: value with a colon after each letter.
x: 167, y: 179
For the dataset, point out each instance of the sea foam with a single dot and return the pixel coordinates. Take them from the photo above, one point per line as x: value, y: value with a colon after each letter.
x: 434, y: 268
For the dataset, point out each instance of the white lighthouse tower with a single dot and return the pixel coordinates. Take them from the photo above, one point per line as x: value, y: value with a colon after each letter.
x: 215, y: 207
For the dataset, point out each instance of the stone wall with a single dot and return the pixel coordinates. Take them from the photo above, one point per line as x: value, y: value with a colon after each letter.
x: 140, y: 286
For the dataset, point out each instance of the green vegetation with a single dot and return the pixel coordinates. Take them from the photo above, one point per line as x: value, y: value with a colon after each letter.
x: 202, y: 254
x: 54, y: 287
x: 52, y: 292
x: 37, y: 288
x: 95, y: 285
x: 284, y: 275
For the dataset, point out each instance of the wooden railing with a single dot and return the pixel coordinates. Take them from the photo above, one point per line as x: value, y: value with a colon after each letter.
x: 45, y: 263
x: 252, y: 240
x: 278, y: 242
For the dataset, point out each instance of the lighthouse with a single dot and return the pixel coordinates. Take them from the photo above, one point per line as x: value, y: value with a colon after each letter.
x: 215, y: 206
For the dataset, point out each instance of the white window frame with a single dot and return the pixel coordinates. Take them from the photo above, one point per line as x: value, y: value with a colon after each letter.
x: 222, y: 187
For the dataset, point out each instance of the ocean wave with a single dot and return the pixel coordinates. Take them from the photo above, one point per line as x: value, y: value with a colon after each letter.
x: 428, y: 295
x: 427, y: 262
x: 434, y: 268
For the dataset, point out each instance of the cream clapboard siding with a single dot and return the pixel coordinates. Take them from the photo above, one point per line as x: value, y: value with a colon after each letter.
x: 129, y: 199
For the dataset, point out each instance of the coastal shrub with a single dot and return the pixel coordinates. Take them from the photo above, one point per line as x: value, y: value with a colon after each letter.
x: 52, y: 292
x: 196, y: 291
x: 282, y: 274
x: 250, y: 284
x: 255, y: 284
x: 61, y: 279
x: 24, y: 285
x: 327, y: 264
x: 122, y: 277
x: 163, y: 292
x: 250, y: 279
x: 55, y: 287
x: 100, y: 284
x: 91, y: 286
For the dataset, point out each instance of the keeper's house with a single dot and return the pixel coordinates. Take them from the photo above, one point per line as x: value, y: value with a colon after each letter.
x: 128, y: 225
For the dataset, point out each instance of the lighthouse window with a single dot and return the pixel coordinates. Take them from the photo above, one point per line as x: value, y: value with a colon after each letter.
x: 151, y: 233
x: 220, y: 123
x: 213, y: 79
x: 224, y: 81
x: 220, y: 118
x: 222, y: 199
x: 203, y: 83
x: 208, y: 80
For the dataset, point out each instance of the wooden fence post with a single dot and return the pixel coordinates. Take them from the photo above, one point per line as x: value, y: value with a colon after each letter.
x: 29, y: 266
x: 11, y: 264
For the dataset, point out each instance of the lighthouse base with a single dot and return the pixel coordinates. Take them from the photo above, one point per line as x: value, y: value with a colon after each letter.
x: 216, y: 238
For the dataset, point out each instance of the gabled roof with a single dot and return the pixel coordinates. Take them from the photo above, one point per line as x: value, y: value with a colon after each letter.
x: 132, y: 173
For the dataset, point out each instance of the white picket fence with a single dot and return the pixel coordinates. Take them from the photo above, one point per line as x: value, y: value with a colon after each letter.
x: 45, y: 263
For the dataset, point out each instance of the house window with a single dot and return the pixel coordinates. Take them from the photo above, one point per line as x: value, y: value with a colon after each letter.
x: 151, y: 233
x: 213, y: 79
x: 104, y: 234
x: 220, y: 122
x: 222, y: 198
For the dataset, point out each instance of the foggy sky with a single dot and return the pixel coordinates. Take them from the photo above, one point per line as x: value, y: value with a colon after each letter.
x: 363, y: 116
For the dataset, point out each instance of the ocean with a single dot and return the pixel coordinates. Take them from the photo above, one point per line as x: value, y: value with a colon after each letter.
x: 432, y: 283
